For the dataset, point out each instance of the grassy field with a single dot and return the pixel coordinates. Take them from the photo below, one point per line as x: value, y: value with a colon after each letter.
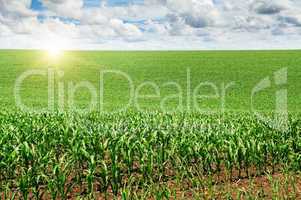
x: 237, y: 71
x: 144, y: 152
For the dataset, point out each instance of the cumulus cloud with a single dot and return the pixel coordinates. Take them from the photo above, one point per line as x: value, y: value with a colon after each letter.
x: 16, y: 16
x: 16, y: 8
x: 195, y: 13
x: 96, y: 23
x: 269, y: 6
x: 4, y: 30
x: 290, y: 16
x: 65, y: 8
x: 153, y: 23
x: 125, y: 29
x: 291, y: 19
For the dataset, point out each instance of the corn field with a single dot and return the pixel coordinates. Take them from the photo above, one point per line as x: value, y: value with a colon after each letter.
x: 136, y: 155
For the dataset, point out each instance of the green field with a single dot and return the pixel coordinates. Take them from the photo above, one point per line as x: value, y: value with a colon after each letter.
x: 239, y: 70
x: 192, y: 129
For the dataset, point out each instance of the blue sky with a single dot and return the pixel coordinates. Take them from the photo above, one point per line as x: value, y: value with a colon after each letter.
x: 37, y: 5
x: 151, y: 24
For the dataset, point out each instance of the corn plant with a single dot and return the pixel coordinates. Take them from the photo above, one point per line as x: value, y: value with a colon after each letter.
x: 62, y: 155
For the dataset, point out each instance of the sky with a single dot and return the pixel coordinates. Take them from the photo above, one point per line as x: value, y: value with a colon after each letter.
x: 150, y: 24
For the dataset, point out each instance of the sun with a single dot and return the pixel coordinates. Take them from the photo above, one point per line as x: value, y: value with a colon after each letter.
x: 54, y: 52
x: 55, y: 47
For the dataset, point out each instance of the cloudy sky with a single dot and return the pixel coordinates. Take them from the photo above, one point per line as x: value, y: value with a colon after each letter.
x: 150, y: 24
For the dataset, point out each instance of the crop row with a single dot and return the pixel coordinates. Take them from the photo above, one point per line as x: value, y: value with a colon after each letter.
x: 56, y: 154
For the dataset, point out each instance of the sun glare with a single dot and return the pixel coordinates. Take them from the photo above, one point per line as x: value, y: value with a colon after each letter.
x: 54, y: 52
x: 55, y: 47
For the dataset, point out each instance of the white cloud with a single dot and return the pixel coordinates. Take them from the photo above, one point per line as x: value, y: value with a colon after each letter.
x: 173, y: 24
x: 16, y: 8
x: 195, y: 13
x: 291, y: 19
x: 154, y: 27
x: 125, y: 29
x: 97, y: 23
x: 65, y: 8
x: 269, y: 7
x: 93, y: 17
x: 4, y: 30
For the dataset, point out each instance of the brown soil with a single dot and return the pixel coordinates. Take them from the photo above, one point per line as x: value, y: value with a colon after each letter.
x: 262, y: 187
